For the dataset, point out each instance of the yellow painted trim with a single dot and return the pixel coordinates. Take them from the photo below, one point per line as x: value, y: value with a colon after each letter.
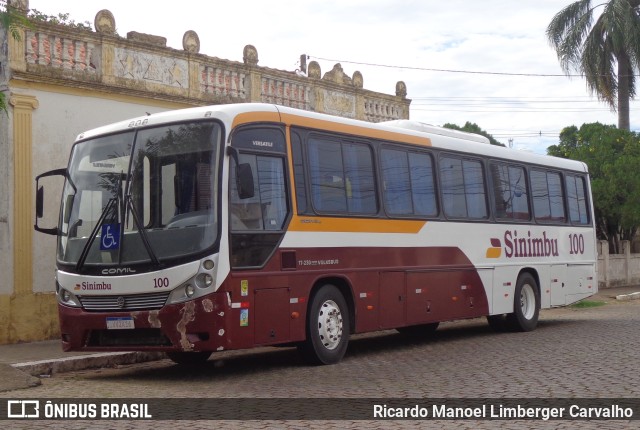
x: 292, y: 178
x: 355, y: 130
x: 40, y: 86
x: 249, y: 117
x: 23, y: 106
x: 354, y: 225
x: 327, y: 125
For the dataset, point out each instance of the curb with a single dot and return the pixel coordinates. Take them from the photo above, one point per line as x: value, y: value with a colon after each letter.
x: 45, y: 368
x: 625, y: 297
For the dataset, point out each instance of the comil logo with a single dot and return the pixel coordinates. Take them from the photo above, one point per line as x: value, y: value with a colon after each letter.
x: 23, y: 409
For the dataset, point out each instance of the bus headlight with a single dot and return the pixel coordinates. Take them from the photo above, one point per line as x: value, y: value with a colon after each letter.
x: 189, y: 290
x: 182, y: 293
x: 197, y: 286
x: 66, y: 297
x: 204, y: 280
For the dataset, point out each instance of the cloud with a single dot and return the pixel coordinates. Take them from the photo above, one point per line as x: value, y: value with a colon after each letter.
x: 489, y: 36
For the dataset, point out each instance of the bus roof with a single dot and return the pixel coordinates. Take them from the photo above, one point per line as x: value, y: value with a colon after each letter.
x: 439, y: 137
x: 428, y: 128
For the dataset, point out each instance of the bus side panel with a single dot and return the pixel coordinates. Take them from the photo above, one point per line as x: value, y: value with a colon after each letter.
x: 581, y: 282
x: 442, y: 295
x: 558, y: 281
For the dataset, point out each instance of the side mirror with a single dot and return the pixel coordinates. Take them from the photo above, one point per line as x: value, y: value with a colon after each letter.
x: 40, y: 200
x: 244, y: 176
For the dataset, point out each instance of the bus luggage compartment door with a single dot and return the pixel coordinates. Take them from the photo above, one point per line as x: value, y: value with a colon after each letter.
x: 392, y: 299
x: 272, y: 319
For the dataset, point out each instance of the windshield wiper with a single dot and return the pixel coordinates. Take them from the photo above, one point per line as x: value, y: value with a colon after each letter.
x: 141, y: 229
x: 92, y: 237
x: 122, y: 208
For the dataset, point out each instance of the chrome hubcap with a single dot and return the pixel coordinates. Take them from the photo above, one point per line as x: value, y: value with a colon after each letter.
x: 330, y: 324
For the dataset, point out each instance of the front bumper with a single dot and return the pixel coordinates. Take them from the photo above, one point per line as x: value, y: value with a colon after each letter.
x: 196, y: 325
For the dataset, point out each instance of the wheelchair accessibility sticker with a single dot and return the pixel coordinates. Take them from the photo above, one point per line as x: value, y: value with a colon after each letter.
x: 110, y: 237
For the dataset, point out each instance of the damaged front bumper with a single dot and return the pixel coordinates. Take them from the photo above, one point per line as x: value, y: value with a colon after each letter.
x: 195, y: 325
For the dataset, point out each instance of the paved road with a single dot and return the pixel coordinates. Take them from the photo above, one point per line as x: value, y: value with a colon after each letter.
x: 576, y: 353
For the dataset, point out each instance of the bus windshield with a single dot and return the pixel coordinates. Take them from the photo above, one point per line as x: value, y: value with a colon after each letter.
x: 140, y: 197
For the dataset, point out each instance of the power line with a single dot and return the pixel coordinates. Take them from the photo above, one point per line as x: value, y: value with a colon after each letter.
x: 470, y: 72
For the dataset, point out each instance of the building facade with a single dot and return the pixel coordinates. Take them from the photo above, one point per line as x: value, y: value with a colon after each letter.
x: 60, y: 81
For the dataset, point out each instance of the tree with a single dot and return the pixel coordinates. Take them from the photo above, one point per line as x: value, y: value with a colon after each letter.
x: 606, y: 53
x: 470, y: 127
x: 11, y: 19
x: 613, y: 158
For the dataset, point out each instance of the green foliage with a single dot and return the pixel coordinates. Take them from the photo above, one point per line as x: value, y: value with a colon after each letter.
x: 601, y: 42
x: 60, y: 19
x: 470, y: 127
x: 11, y: 19
x: 613, y: 157
x: 588, y: 304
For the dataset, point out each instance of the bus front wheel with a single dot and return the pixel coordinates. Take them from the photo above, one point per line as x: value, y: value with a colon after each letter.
x: 327, y: 327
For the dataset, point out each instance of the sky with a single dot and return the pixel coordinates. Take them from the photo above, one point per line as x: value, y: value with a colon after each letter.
x: 430, y: 45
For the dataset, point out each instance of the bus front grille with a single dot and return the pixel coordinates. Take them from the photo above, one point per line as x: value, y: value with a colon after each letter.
x: 125, y: 302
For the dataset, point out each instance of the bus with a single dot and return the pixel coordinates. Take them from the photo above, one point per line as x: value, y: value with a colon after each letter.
x: 235, y: 226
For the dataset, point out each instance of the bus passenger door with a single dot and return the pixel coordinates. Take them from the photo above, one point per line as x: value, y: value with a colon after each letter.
x: 392, y: 299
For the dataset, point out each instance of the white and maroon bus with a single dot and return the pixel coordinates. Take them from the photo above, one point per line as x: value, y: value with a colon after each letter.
x: 234, y: 226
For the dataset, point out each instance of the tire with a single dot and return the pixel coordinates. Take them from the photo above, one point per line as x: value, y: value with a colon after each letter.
x: 422, y: 330
x: 526, y: 308
x: 327, y: 327
x: 189, y: 358
x: 526, y: 304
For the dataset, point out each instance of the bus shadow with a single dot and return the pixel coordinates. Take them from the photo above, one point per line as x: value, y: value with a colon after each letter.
x: 234, y: 364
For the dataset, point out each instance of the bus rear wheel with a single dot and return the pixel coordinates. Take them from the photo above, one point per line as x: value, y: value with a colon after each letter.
x: 526, y: 308
x: 189, y: 358
x: 327, y: 327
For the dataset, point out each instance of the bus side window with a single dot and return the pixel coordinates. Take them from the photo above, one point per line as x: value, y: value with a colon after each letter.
x: 342, y: 177
x: 409, y: 186
x: 267, y: 209
x: 576, y: 196
x: 548, y: 196
x: 326, y: 169
x: 463, y: 192
x: 510, y: 192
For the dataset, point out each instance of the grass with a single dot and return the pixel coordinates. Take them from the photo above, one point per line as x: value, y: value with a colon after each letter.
x: 588, y: 304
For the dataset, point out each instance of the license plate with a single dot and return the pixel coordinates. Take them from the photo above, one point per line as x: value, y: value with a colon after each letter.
x: 120, y: 323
